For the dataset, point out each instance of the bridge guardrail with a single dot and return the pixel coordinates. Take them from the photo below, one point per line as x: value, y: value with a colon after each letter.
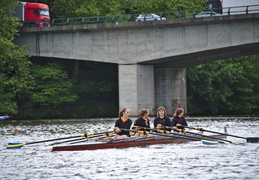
x: 240, y: 10
x: 120, y: 18
x: 167, y: 15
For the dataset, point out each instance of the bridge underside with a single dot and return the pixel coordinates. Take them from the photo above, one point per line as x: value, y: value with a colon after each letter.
x: 205, y: 56
x: 193, y: 59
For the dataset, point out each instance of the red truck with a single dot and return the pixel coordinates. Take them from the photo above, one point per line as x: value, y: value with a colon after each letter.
x: 33, y: 14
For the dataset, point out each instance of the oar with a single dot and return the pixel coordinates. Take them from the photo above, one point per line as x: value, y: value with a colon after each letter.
x: 62, y: 142
x: 112, y: 134
x: 82, y: 139
x: 207, y: 141
x: 100, y: 137
x: 20, y: 145
x: 248, y: 139
x: 109, y: 135
x: 165, y: 133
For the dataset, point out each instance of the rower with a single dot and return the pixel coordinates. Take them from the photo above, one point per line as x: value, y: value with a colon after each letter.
x: 162, y: 119
x: 142, y: 121
x: 123, y: 122
x: 179, y: 120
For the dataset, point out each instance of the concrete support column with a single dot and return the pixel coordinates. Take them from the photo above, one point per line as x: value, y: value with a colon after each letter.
x: 136, y: 88
x: 170, y: 88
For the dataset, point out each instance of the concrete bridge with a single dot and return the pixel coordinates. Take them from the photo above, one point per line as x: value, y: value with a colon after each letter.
x: 152, y: 56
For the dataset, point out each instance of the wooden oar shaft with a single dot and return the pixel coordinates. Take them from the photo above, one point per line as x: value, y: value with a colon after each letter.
x: 19, y: 145
x: 67, y: 141
x: 83, y: 139
x: 100, y: 137
x: 184, y: 136
x: 54, y: 139
x: 179, y: 136
x: 202, y: 135
x: 71, y: 137
x: 168, y: 134
x: 201, y: 129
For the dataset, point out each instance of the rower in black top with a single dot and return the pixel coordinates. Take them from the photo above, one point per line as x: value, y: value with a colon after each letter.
x: 142, y: 121
x: 179, y: 120
x: 162, y: 119
x: 123, y: 122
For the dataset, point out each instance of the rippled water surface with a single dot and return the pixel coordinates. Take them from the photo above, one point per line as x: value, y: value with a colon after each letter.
x: 191, y: 160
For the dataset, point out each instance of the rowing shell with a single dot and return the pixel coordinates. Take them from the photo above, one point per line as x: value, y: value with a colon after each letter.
x: 124, y: 143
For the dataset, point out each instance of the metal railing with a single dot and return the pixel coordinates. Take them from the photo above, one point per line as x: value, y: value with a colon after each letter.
x: 241, y: 10
x: 121, y: 18
x: 167, y: 15
x: 93, y: 20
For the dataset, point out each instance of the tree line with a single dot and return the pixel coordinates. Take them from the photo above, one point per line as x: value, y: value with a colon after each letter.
x: 54, y: 88
x: 88, y: 8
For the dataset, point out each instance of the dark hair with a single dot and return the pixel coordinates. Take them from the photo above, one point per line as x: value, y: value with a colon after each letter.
x: 178, y: 111
x: 161, y: 107
x: 142, y: 112
x: 122, y: 111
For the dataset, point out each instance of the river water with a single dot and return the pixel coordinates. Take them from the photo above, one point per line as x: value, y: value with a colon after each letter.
x: 190, y: 160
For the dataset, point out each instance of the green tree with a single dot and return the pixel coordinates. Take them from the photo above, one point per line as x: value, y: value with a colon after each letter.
x: 97, y: 89
x: 52, y: 89
x: 147, y: 6
x: 14, y: 62
x: 223, y: 87
x: 87, y: 8
x: 81, y: 8
x: 245, y: 98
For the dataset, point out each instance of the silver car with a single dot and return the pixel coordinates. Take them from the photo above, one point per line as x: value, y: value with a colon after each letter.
x: 149, y: 17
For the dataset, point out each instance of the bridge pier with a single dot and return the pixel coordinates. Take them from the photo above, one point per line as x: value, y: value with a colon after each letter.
x: 136, y: 87
x: 143, y: 86
x: 170, y: 88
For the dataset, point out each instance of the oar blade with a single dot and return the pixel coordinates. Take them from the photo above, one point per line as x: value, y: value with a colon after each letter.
x: 252, y: 139
x: 236, y: 143
x: 15, y: 145
x: 210, y: 142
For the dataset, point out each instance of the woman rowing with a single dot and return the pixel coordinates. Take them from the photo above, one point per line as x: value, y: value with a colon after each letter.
x: 123, y: 122
x: 162, y: 119
x: 142, y: 121
x: 179, y: 120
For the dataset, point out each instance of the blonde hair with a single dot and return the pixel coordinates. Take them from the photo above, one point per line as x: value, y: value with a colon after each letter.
x: 161, y: 107
x: 178, y: 111
x: 142, y: 112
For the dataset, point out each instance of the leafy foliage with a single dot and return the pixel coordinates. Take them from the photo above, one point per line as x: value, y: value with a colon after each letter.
x: 58, y: 92
x: 224, y: 87
x: 87, y: 8
x: 52, y: 87
x: 14, y: 64
x: 97, y: 88
x: 51, y: 90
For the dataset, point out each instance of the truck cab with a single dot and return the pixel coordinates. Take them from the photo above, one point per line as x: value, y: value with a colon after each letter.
x: 213, y: 8
x: 33, y: 14
x: 214, y: 5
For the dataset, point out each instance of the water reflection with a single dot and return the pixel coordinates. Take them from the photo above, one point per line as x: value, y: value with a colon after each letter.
x: 191, y: 160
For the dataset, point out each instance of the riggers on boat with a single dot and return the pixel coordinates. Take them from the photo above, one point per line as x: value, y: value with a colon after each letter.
x: 132, y: 142
x: 103, y: 140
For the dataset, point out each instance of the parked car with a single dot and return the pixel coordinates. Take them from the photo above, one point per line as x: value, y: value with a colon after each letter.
x: 149, y: 17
